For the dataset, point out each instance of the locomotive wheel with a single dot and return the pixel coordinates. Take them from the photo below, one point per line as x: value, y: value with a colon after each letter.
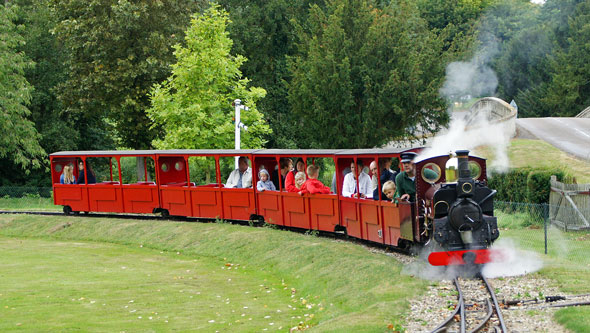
x: 67, y: 210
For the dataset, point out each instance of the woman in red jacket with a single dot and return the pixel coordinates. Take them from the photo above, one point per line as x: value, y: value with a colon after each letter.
x: 290, y: 179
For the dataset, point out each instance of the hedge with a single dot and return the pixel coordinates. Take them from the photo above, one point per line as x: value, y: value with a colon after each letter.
x: 529, y: 185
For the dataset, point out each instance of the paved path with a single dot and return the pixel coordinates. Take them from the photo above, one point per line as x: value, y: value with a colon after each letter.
x: 571, y: 135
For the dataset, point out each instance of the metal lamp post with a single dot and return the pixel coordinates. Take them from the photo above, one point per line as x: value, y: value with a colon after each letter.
x: 238, y: 126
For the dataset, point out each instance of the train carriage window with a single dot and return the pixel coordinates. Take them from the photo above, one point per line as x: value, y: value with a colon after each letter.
x: 179, y: 166
x: 475, y: 169
x: 327, y: 169
x: 102, y: 169
x: 165, y: 167
x: 431, y: 173
x: 57, y: 168
x: 227, y: 167
x: 138, y: 170
x: 202, y: 170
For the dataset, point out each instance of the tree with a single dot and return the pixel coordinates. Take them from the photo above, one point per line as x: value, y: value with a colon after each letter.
x: 365, y: 76
x: 118, y: 50
x: 58, y: 131
x: 264, y: 32
x: 19, y: 140
x: 569, y: 90
x: 193, y: 106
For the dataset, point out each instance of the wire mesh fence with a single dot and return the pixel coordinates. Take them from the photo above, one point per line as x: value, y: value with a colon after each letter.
x: 531, y: 227
x: 27, y: 198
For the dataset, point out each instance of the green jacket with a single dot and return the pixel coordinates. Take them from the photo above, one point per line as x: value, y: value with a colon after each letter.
x: 405, y: 185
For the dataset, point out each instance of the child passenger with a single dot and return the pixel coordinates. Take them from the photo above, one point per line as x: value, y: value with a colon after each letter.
x: 299, y: 180
x: 67, y: 176
x: 312, y: 185
x: 264, y: 184
x: 389, y: 191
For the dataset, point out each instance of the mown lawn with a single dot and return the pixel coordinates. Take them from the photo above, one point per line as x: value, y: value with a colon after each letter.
x: 50, y: 285
x: 333, y: 285
x: 537, y: 153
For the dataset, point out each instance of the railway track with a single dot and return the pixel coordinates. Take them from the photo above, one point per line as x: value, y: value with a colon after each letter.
x: 475, y: 312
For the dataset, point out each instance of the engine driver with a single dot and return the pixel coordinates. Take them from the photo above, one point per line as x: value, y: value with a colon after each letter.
x: 406, y: 180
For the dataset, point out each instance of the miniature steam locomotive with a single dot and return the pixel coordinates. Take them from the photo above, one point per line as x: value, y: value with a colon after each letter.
x: 462, y: 218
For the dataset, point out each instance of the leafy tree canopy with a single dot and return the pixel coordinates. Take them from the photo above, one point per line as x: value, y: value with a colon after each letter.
x: 365, y: 76
x: 193, y: 107
x: 117, y: 51
x: 19, y: 140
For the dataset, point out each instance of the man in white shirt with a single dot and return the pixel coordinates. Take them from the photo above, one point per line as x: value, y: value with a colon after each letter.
x: 242, y: 176
x: 349, y: 186
x: 374, y: 178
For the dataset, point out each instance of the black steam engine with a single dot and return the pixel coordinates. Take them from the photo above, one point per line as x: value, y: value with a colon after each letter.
x: 462, y: 217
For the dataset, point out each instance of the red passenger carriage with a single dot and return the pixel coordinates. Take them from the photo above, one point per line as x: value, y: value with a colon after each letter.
x: 168, y: 187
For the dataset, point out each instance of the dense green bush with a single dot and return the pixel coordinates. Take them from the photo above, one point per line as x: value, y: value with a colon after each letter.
x: 530, y: 185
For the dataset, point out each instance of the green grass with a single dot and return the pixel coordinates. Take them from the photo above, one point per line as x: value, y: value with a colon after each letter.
x: 28, y: 203
x: 537, y: 153
x: 567, y: 261
x: 56, y: 286
x: 344, y: 286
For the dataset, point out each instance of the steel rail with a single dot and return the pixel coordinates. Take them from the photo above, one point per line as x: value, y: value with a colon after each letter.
x: 495, y: 302
x: 486, y: 319
x: 460, y: 308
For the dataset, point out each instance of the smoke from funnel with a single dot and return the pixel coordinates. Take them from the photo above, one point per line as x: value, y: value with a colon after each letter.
x: 472, y: 78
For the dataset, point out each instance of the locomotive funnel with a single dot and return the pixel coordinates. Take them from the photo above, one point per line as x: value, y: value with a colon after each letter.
x: 465, y: 184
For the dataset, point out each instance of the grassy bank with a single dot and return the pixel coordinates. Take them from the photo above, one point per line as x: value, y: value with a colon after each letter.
x: 537, y: 153
x: 344, y: 286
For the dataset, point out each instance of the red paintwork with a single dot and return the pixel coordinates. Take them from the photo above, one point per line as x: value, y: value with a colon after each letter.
x: 449, y: 258
x: 141, y: 198
x: 238, y: 203
x: 75, y: 196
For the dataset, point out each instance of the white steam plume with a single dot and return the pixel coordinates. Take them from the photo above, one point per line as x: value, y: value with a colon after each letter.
x: 475, y: 77
x: 479, y: 132
x: 513, y: 261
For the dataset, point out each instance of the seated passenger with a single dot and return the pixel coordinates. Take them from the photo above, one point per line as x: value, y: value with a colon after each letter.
x: 349, y: 187
x: 389, y: 191
x: 264, y: 184
x: 345, y: 172
x: 300, y: 179
x: 285, y: 164
x: 312, y: 185
x: 82, y: 174
x: 374, y: 181
x: 242, y: 176
x: 67, y: 176
x: 386, y: 174
x: 290, y: 179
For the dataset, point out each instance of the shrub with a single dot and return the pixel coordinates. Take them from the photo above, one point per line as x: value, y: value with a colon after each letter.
x: 530, y: 185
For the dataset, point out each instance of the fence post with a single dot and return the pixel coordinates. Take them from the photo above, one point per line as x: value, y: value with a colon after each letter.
x: 546, y: 219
